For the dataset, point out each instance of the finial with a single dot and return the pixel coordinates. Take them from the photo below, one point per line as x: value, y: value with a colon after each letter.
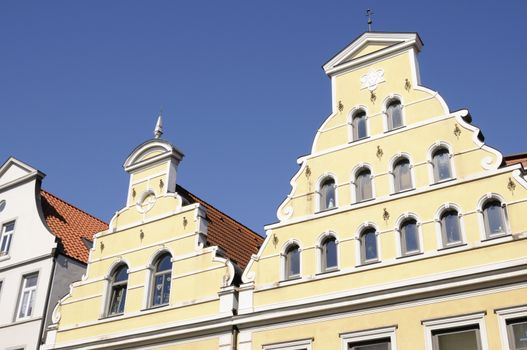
x: 158, y: 131
x: 369, y: 13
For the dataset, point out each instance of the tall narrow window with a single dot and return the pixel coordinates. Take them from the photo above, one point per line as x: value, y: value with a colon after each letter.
x: 292, y: 262
x: 119, y: 284
x: 450, y: 228
x: 27, y: 296
x: 402, y: 176
x: 5, y: 237
x: 363, y: 185
x: 394, y: 113
x: 329, y: 254
x: 327, y: 194
x: 409, y: 237
x: 368, y: 245
x: 358, y: 124
x: 517, y: 333
x: 441, y: 165
x: 494, y: 218
x: 161, y: 280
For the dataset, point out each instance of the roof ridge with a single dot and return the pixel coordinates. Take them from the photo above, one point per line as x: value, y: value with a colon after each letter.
x: 212, y: 206
x: 73, y: 206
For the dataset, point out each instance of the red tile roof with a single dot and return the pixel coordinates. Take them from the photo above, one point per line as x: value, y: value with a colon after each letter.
x: 236, y: 240
x: 516, y: 158
x: 70, y: 225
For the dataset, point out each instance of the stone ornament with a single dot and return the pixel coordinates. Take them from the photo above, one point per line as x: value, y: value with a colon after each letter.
x: 372, y: 79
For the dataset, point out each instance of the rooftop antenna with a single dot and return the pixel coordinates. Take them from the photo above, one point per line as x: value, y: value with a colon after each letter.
x: 369, y: 13
x: 158, y: 131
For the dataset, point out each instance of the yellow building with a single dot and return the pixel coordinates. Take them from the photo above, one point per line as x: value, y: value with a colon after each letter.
x: 403, y: 230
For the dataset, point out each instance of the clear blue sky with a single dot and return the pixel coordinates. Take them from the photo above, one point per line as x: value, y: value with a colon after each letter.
x: 240, y: 83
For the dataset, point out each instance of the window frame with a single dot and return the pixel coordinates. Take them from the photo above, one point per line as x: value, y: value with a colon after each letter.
x: 387, y: 102
x: 354, y: 188
x: 490, y: 197
x: 321, y: 257
x: 32, y: 295
x: 112, y: 284
x: 355, y: 114
x: 322, y: 179
x: 440, y: 324
x: 400, y: 242
x: 348, y: 338
x: 505, y: 315
x: 301, y: 344
x: 154, y: 273
x: 396, y: 159
x: 9, y: 238
x: 437, y: 146
x: 285, y: 276
x: 360, y: 251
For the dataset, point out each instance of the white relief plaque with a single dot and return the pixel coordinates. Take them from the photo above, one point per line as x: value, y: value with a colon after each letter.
x: 370, y: 80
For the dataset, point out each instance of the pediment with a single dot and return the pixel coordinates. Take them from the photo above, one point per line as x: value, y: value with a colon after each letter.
x: 14, y: 169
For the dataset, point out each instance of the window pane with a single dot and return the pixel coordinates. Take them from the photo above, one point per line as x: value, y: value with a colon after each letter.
x: 363, y: 186
x: 395, y: 115
x: 359, y: 126
x: 31, y: 303
x: 463, y: 340
x: 10, y: 227
x: 383, y: 346
x: 164, y: 263
x: 121, y: 274
x: 518, y: 331
x: 166, y: 288
x: 31, y: 281
x: 118, y: 299
x: 410, y: 237
x: 24, y: 304
x: 293, y: 262
x: 450, y: 227
x: 330, y: 253
x: 158, y: 290
x: 493, y: 215
x: 402, y: 175
x: 327, y: 194
x: 370, y: 245
x: 441, y: 163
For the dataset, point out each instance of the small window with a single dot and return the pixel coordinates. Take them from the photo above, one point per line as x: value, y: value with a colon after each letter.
x: 517, y: 333
x: 466, y: 338
x: 161, y: 280
x: 329, y: 254
x: 27, y: 296
x: 409, y: 237
x: 377, y: 344
x: 441, y: 165
x: 6, y: 236
x: 450, y: 228
x: 494, y: 218
x: 394, y: 115
x: 363, y: 185
x: 327, y: 194
x: 292, y: 262
x: 358, y: 124
x: 402, y: 177
x: 368, y: 246
x: 119, y: 284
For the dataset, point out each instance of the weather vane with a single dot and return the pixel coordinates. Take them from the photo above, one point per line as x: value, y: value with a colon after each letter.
x: 369, y: 13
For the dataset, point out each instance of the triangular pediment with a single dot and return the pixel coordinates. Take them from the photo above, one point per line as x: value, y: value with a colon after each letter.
x: 14, y: 169
x: 370, y: 46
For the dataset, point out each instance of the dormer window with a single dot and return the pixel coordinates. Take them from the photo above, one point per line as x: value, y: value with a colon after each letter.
x: 394, y: 114
x: 327, y: 194
x: 358, y: 125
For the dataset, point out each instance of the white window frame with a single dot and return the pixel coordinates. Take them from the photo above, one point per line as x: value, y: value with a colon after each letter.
x: 353, y: 183
x: 318, y: 196
x: 439, y: 234
x: 481, y: 219
x: 9, y: 238
x: 283, y: 269
x: 437, y: 145
x: 358, y: 250
x: 476, y: 319
x: 392, y: 163
x: 371, y: 334
x: 352, y: 113
x: 107, y: 296
x: 389, y: 99
x: 32, y: 293
x: 290, y: 345
x: 153, y: 273
x: 320, y: 256
x: 503, y: 316
x: 397, y: 229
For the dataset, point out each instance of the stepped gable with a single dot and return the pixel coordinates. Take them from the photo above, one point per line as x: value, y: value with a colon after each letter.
x: 236, y: 240
x: 71, y: 225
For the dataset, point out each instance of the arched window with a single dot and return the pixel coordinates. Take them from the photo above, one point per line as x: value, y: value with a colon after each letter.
x: 402, y: 176
x: 329, y: 254
x: 409, y: 237
x: 292, y: 262
x: 119, y: 284
x: 441, y: 164
x: 450, y: 228
x: 358, y: 124
x: 363, y: 185
x: 368, y: 246
x: 494, y: 218
x: 161, y: 280
x: 394, y: 115
x: 327, y: 194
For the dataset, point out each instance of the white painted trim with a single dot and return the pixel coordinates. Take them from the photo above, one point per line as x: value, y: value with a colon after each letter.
x: 507, y: 314
x: 318, y: 196
x: 349, y: 338
x: 397, y: 229
x: 354, y: 172
x: 438, y: 229
x: 431, y: 150
x: 318, y: 254
x: 283, y: 251
x: 355, y: 110
x: 481, y: 203
x: 358, y: 249
x: 384, y: 110
x: 396, y: 158
x: 477, y: 319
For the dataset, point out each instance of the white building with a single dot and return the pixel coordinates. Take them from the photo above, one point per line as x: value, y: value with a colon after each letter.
x: 44, y: 244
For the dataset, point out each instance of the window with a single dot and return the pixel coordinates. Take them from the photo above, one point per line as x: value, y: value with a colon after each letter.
x: 394, y: 115
x: 358, y: 124
x: 5, y: 238
x: 292, y: 262
x: 161, y: 280
x: 373, y: 339
x: 494, y: 218
x: 304, y: 344
x: 402, y: 177
x: 27, y: 296
x: 377, y: 344
x: 327, y: 194
x: 409, y: 237
x: 450, y: 228
x: 517, y: 333
x: 441, y: 165
x: 363, y: 185
x: 329, y: 254
x: 466, y: 338
x: 368, y: 246
x: 119, y: 283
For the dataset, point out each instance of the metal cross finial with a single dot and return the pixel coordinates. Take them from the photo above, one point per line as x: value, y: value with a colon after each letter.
x: 158, y: 131
x: 369, y: 13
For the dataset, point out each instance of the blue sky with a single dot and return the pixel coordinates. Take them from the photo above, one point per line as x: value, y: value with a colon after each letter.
x: 240, y: 84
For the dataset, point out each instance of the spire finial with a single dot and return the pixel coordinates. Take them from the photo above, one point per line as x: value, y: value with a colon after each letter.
x: 158, y: 131
x: 369, y: 13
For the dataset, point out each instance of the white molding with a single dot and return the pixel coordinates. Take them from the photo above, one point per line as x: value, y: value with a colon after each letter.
x: 371, y: 334
x: 504, y: 315
x: 457, y: 321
